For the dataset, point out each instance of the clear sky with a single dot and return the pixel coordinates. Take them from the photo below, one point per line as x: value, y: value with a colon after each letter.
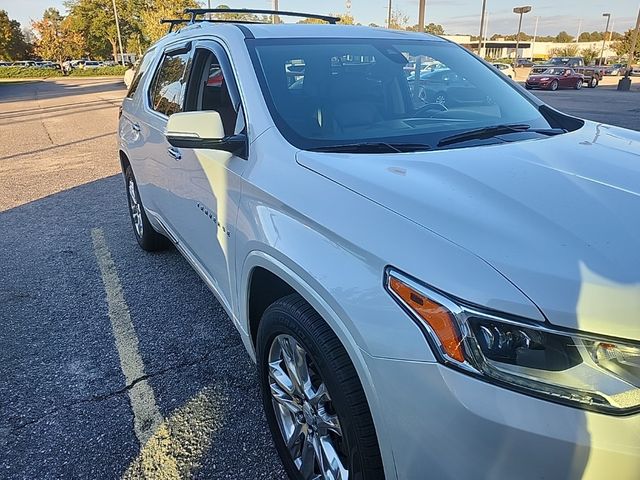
x: 457, y: 16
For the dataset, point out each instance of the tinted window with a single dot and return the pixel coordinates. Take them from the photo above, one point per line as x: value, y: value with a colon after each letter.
x: 167, y: 91
x: 209, y: 90
x: 342, y: 91
x: 142, y: 68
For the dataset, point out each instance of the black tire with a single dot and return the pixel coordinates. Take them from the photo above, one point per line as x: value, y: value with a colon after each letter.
x: 593, y: 83
x: 578, y: 85
x: 146, y: 236
x: 554, y: 86
x: 292, y: 316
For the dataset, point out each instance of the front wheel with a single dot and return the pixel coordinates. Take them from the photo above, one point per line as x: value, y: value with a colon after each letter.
x: 313, y: 399
x: 553, y: 86
x: 593, y: 83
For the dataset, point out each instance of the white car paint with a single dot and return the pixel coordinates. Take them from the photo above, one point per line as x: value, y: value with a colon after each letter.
x: 506, y: 69
x: 544, y: 230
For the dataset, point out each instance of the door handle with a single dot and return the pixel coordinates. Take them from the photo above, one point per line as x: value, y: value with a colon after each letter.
x: 135, y: 127
x: 175, y: 153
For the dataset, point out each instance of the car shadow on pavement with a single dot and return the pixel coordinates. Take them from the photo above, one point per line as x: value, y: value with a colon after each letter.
x: 60, y: 87
x: 64, y: 409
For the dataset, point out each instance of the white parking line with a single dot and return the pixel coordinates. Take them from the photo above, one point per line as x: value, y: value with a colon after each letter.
x: 146, y: 414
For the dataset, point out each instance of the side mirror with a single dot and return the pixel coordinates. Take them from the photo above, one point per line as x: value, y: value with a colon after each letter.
x: 203, y: 130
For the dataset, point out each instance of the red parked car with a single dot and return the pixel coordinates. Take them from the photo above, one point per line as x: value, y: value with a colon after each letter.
x: 555, y: 78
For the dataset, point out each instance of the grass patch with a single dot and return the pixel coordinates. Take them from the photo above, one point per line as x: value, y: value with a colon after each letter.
x: 31, y: 72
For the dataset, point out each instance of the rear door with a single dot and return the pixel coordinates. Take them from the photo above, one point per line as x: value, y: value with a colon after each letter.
x: 206, y: 184
x: 132, y: 129
x: 162, y: 162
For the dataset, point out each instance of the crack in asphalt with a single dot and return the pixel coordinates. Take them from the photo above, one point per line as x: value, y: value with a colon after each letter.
x: 106, y: 396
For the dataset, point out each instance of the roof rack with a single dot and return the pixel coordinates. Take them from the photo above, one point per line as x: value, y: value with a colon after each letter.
x: 174, y: 22
x: 194, y: 12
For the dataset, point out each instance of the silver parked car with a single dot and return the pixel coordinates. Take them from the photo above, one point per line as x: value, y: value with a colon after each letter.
x: 432, y: 289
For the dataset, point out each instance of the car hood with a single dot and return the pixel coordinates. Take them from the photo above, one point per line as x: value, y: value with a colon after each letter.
x: 559, y: 217
x: 538, y: 77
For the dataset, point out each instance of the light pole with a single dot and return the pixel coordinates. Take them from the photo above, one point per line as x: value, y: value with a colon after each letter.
x: 579, y: 30
x: 115, y: 14
x: 520, y: 11
x: 389, y: 15
x: 482, y: 15
x: 606, y: 30
x: 421, y: 7
x: 535, y: 35
x: 276, y: 7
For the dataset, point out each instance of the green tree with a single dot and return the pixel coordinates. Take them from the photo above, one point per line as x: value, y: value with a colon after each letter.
x: 399, y: 20
x: 155, y: 10
x: 55, y: 39
x: 568, y: 51
x: 589, y: 55
x: 13, y: 45
x: 523, y: 37
x: 564, y: 37
x: 584, y: 37
x: 623, y: 46
x: 95, y: 20
x: 432, y: 28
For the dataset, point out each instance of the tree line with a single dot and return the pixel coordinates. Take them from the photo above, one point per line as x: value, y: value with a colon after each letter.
x: 88, y: 30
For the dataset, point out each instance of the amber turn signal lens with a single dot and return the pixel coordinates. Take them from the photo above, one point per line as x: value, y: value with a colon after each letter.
x: 437, y: 317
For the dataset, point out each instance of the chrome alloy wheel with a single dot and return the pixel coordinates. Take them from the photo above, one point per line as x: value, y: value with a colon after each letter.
x: 305, y: 414
x: 135, y: 208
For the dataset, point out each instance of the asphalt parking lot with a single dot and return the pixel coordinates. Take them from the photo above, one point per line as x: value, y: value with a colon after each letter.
x: 65, y: 407
x: 68, y: 255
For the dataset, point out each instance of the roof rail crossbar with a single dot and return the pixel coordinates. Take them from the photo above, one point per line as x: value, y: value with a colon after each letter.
x: 173, y: 22
x: 194, y: 12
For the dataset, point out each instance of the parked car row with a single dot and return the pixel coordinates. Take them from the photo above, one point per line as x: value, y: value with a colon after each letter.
x: 31, y: 64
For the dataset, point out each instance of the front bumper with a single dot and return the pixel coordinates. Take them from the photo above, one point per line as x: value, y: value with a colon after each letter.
x: 538, y: 84
x: 446, y: 425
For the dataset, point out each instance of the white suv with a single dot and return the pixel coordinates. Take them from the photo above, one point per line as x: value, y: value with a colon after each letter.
x: 443, y: 285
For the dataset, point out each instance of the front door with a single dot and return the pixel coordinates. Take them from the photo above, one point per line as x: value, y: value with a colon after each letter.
x: 207, y: 185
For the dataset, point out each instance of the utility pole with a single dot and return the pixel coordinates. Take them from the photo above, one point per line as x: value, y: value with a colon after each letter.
x: 624, y: 85
x: 520, y: 11
x: 276, y: 7
x: 579, y: 30
x: 482, y: 15
x: 115, y: 14
x: 389, y: 15
x: 535, y: 35
x: 421, y: 7
x: 604, y: 39
x: 486, y: 34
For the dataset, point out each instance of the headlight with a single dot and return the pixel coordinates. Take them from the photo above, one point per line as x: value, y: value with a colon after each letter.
x: 568, y: 367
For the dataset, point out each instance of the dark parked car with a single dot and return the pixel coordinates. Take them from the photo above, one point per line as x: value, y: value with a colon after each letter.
x: 446, y: 88
x: 523, y: 62
x: 617, y: 69
x: 555, y: 78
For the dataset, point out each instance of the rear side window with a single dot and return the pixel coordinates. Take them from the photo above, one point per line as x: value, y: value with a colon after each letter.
x: 167, y: 91
x: 142, y: 67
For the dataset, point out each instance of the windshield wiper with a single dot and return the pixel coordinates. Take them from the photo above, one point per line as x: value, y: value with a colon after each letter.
x: 494, y: 131
x: 372, y: 147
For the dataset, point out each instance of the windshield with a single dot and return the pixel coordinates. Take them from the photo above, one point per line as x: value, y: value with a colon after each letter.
x: 325, y: 92
x: 558, y: 61
x: 555, y: 71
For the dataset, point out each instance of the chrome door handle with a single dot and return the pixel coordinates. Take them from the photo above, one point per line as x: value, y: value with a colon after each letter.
x: 135, y: 127
x: 175, y: 153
